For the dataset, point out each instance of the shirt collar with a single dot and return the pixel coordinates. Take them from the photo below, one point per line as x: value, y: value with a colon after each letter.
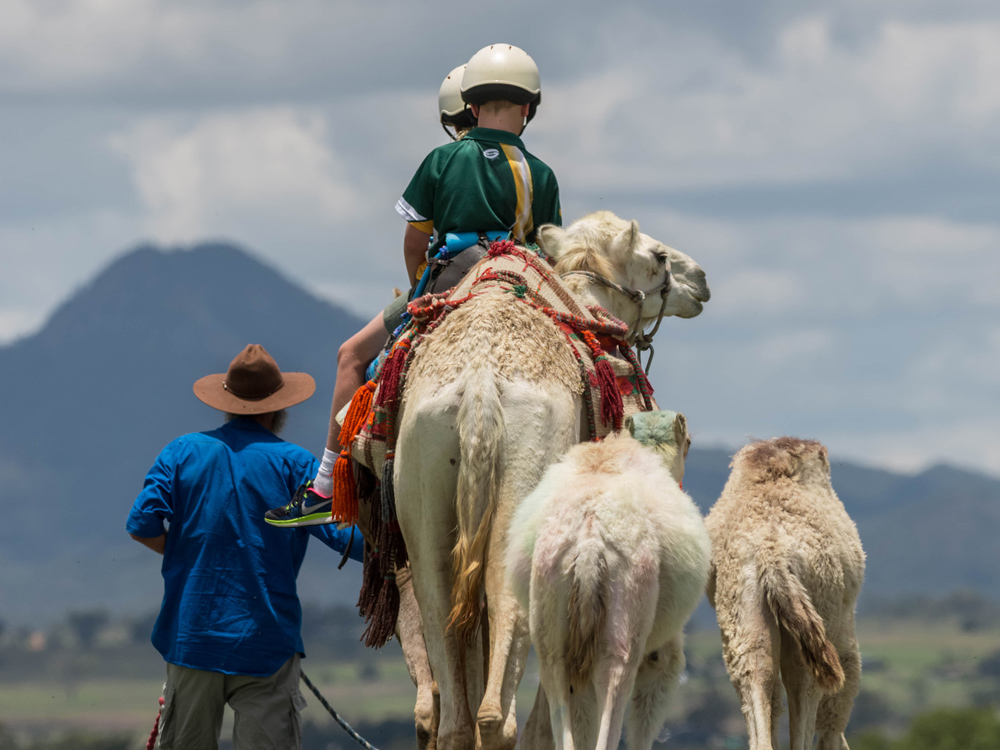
x: 247, y: 424
x: 498, y: 136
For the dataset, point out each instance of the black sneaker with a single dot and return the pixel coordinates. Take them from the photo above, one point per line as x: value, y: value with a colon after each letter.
x: 306, y: 509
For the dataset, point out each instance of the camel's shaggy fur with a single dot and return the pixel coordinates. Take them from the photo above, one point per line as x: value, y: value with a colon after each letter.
x: 609, y: 557
x: 787, y: 567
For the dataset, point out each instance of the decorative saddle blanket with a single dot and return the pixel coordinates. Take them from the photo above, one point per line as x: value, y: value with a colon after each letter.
x: 614, y: 387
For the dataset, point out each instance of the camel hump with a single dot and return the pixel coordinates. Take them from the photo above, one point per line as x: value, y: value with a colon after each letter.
x: 588, y: 610
x: 792, y: 607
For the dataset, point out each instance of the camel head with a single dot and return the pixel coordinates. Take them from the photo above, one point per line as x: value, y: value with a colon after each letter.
x: 608, y: 246
x: 803, y: 461
x: 666, y: 433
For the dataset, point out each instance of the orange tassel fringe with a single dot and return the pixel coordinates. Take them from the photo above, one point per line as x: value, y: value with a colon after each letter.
x: 345, y: 493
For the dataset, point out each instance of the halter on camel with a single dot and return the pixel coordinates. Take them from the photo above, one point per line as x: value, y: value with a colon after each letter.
x: 636, y: 336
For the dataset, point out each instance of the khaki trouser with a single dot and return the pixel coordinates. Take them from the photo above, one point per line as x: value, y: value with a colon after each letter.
x: 266, y: 708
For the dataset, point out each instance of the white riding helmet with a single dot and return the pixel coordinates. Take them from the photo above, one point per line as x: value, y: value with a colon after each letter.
x: 502, y: 72
x: 454, y: 111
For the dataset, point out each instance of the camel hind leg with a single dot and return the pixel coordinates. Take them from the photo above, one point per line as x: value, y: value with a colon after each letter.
x: 751, y: 649
x: 654, y: 683
x: 425, y: 486
x: 548, y: 426
x: 835, y: 710
x: 410, y: 634
x: 803, y: 694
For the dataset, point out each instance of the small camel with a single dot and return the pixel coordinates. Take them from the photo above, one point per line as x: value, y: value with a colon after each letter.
x: 787, y: 567
x: 610, y: 557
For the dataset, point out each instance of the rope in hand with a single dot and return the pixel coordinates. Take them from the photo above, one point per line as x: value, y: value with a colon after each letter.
x: 347, y: 727
x: 336, y: 717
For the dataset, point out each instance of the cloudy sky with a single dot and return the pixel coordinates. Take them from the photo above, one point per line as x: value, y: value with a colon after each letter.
x: 835, y: 167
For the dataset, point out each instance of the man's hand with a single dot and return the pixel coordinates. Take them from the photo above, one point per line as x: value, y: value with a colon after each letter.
x: 156, y: 543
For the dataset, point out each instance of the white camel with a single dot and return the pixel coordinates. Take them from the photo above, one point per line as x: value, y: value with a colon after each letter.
x: 787, y: 567
x: 492, y: 398
x: 610, y: 557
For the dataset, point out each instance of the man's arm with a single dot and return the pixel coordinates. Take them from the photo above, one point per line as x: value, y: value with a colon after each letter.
x: 338, y: 539
x: 414, y: 251
x: 156, y: 543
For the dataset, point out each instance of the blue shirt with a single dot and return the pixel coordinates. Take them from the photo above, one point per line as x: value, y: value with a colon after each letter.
x: 229, y: 598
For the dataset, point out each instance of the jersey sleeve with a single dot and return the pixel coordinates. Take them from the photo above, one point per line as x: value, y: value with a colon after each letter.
x: 545, y: 208
x: 154, y: 504
x: 417, y: 202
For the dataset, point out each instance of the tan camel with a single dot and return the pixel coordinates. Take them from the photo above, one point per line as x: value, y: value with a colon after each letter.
x: 610, y: 558
x: 492, y: 398
x: 787, y: 567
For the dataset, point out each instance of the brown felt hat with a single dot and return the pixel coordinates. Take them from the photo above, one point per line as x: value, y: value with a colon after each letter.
x: 254, y: 385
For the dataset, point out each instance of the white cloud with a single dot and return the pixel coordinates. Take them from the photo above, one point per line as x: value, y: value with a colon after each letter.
x: 691, y: 113
x: 232, y: 169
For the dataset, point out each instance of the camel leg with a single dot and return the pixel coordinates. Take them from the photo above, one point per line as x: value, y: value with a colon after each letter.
x: 803, y: 695
x: 425, y: 487
x: 751, y: 650
x: 542, y: 437
x: 613, y: 688
x: 654, y: 683
x: 409, y: 632
x: 509, y: 643
x: 552, y: 674
x: 538, y: 729
x: 835, y: 710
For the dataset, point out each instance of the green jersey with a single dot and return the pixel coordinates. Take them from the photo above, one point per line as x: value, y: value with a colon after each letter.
x: 484, y: 182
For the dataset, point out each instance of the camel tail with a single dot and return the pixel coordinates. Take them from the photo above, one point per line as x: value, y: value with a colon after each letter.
x: 587, y: 610
x: 791, y: 606
x: 481, y: 433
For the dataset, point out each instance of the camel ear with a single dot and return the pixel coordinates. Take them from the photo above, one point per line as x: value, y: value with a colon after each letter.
x: 630, y: 425
x: 626, y: 242
x: 550, y: 239
x: 681, y: 437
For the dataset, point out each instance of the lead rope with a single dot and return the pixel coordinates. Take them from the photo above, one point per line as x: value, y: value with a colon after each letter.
x: 336, y: 717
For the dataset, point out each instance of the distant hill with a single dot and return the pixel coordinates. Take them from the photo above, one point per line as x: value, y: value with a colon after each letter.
x: 89, y: 400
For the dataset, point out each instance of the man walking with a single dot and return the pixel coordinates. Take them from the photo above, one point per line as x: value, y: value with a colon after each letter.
x: 229, y: 626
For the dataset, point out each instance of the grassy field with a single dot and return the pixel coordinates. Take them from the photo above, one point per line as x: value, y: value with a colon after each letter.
x: 908, y: 668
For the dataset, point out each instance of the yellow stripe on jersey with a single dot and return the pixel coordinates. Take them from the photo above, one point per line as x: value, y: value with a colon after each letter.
x: 523, y: 223
x: 427, y: 227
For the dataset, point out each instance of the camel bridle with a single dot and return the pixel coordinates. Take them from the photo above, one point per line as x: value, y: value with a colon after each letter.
x: 638, y: 338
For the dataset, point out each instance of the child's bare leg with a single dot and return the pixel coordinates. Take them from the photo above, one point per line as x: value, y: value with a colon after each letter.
x: 353, y: 359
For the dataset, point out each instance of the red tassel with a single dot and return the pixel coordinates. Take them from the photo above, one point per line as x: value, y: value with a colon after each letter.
x: 357, y: 414
x: 345, y: 491
x: 392, y: 375
x: 612, y: 407
x: 503, y: 247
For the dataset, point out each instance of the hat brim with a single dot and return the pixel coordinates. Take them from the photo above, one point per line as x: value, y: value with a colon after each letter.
x: 298, y: 386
